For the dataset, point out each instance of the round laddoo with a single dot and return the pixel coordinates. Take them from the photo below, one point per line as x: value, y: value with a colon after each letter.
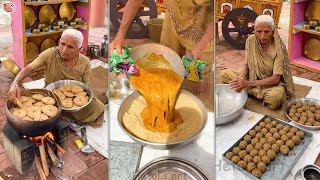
x: 295, y: 119
x: 293, y: 129
x: 303, y: 118
x: 258, y: 146
x: 313, y: 109
x: 248, y: 158
x: 257, y: 159
x: 266, y: 146
x: 236, y: 150
x: 290, y: 135
x: 229, y: 155
x: 250, y: 166
x: 247, y: 138
x: 279, y: 126
x: 298, y: 115
x: 259, y: 135
x: 274, y: 123
x: 243, y: 144
x: 294, y: 107
x: 291, y: 114
x: 300, y: 134
x: 254, y: 152
x: 263, y: 141
x: 286, y: 128
x: 271, y: 140
x: 304, y: 108
x: 267, y: 120
x: 242, y: 164
x: 284, y: 138
x: 262, y: 152
x: 268, y: 135
x: 265, y: 159
x: 268, y: 126
x: 317, y: 123
x: 249, y: 148
x: 252, y: 133
x: 242, y: 154
x: 273, y: 130
x: 304, y: 114
x: 257, y: 128
x: 280, y: 142
x: 235, y: 159
x: 271, y: 154
x: 308, y: 124
x: 290, y: 144
x: 264, y: 131
x: 262, y: 124
x: 299, y: 105
x: 262, y: 166
x: 276, y: 136
x: 292, y: 111
x: 284, y: 149
x: 282, y: 132
x: 275, y: 147
x: 254, y: 141
x: 256, y: 172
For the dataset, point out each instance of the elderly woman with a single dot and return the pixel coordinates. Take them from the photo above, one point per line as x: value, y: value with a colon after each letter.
x: 187, y: 27
x: 266, y: 73
x: 64, y: 62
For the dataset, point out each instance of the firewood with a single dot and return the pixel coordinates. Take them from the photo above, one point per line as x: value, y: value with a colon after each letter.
x: 60, y: 149
x: 39, y: 168
x: 44, y: 160
x: 52, y: 155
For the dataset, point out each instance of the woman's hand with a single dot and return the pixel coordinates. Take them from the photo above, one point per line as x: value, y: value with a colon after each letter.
x: 117, y: 44
x: 239, y: 84
x: 14, y: 92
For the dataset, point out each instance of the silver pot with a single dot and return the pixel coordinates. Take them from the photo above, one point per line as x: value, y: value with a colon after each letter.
x: 309, y: 172
x: 229, y: 103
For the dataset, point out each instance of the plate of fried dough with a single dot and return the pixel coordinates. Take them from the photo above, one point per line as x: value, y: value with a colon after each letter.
x: 74, y: 95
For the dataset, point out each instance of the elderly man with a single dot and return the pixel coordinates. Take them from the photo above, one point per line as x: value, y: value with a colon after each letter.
x: 64, y: 62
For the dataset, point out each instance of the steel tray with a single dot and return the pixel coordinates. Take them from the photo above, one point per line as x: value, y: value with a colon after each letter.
x: 281, y: 166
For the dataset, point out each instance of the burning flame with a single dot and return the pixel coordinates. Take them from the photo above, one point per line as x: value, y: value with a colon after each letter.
x: 40, y: 139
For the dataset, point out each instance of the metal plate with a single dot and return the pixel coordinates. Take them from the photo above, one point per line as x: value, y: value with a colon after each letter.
x: 60, y: 83
x: 302, y: 100
x: 47, y: 43
x: 32, y: 51
x: 30, y: 17
x: 66, y: 11
x: 126, y: 104
x: 47, y: 14
x: 311, y: 49
x: 313, y: 11
x: 282, y: 165
x: 169, y: 168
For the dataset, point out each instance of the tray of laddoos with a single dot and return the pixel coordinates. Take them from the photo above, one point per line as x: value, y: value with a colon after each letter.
x: 74, y: 95
x: 269, y: 150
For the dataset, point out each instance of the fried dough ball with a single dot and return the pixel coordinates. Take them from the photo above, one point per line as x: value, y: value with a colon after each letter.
x: 295, y: 119
x: 258, y: 146
x: 243, y: 144
x: 298, y: 115
x: 296, y: 139
x: 284, y: 149
x: 282, y: 132
x: 276, y: 136
x: 273, y: 130
x: 299, y: 110
x: 264, y: 131
x: 267, y: 120
x: 257, y: 128
x: 271, y: 154
x: 266, y: 146
x: 284, y: 138
x: 300, y: 134
x: 247, y: 138
x: 274, y: 123
x: 254, y: 141
x: 303, y: 118
x: 242, y: 164
x: 256, y: 159
x: 304, y: 108
x: 291, y: 115
x: 299, y: 105
x: 249, y: 148
x: 236, y: 150
x: 279, y: 143
x: 235, y: 159
x: 286, y: 128
x: 275, y: 148
x: 265, y: 159
x: 248, y: 158
x: 311, y: 120
x: 229, y: 155
x: 254, y: 153
x: 292, y: 111
x: 262, y: 152
x: 262, y: 166
x: 311, y: 116
x: 242, y: 154
x: 290, y: 144
x: 250, y: 166
x: 256, y: 172
x: 252, y: 133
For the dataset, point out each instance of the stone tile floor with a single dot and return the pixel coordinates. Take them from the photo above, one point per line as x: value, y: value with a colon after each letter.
x: 228, y: 57
x: 77, y: 165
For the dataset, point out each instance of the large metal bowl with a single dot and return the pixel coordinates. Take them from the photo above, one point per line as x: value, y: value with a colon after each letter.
x: 57, y: 84
x: 301, y: 100
x: 33, y: 128
x: 229, y: 103
x: 125, y: 106
x: 171, y: 56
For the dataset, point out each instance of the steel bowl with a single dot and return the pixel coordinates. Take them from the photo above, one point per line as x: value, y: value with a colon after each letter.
x: 119, y: 89
x: 229, y: 103
x: 125, y: 106
x: 309, y: 172
x: 33, y: 128
x: 171, y: 56
x: 57, y: 84
x: 301, y: 100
